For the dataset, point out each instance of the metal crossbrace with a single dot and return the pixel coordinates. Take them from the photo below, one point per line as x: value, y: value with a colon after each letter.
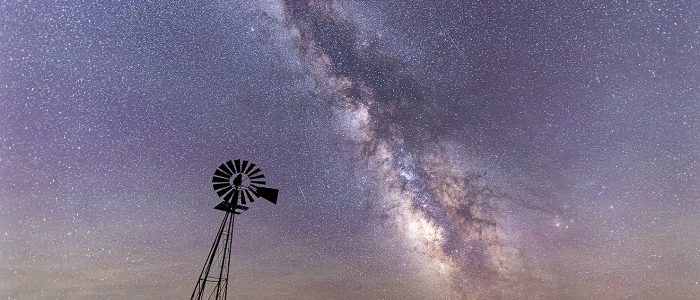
x: 223, y: 258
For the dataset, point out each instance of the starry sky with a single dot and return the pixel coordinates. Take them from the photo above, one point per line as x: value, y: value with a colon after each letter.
x: 423, y: 149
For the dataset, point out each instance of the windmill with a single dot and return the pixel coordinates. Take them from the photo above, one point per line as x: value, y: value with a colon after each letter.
x: 238, y: 183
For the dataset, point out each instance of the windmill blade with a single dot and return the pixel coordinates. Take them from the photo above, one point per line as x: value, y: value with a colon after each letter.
x: 223, y: 192
x: 224, y: 169
x: 228, y: 195
x: 252, y: 199
x: 237, y: 163
x: 254, y: 172
x: 231, y: 167
x: 232, y: 196
x: 244, y: 165
x: 221, y: 173
x: 249, y: 168
x: 257, y: 181
x: 256, y: 177
x: 218, y: 186
x: 219, y: 179
x: 243, y: 198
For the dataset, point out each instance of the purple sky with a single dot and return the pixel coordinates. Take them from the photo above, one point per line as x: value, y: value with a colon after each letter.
x: 444, y: 149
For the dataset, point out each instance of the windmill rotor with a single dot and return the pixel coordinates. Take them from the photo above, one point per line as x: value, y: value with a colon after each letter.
x: 238, y: 183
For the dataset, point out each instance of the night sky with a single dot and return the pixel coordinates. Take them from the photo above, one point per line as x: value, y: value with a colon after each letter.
x: 423, y: 150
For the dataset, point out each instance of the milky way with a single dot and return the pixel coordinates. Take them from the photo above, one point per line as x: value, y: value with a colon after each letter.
x: 447, y: 210
x: 450, y: 212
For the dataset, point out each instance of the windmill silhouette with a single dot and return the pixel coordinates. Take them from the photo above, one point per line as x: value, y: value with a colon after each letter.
x: 237, y: 183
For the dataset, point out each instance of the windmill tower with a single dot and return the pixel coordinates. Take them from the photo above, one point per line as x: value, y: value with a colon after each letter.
x: 238, y: 183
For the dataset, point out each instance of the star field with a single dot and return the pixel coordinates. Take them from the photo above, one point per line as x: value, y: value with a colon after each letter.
x: 423, y: 150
